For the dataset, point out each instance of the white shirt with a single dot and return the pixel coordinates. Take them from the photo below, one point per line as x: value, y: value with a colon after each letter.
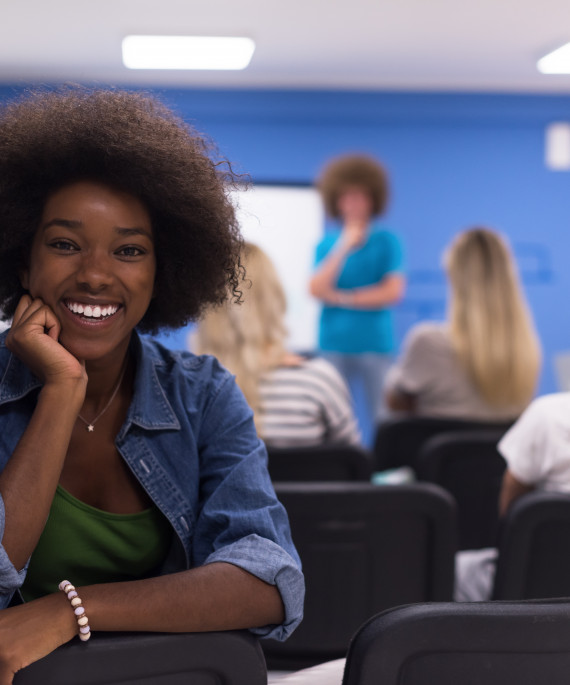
x: 537, y: 447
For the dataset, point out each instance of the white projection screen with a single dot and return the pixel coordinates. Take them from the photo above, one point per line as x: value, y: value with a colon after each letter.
x: 287, y: 222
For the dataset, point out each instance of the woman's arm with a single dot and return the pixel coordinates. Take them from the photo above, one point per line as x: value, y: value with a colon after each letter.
x: 397, y: 400
x: 389, y: 291
x: 511, y: 489
x: 323, y: 283
x: 29, y: 480
x: 408, y: 378
x: 216, y: 596
x: 333, y: 396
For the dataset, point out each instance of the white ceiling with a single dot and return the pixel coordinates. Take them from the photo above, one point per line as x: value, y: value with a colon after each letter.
x: 362, y: 44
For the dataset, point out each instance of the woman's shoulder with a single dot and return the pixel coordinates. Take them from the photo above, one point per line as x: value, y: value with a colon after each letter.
x: 317, y: 370
x: 429, y: 333
x: 182, y: 365
x: 381, y: 233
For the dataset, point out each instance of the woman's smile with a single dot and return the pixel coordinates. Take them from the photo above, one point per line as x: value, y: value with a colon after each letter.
x: 94, y: 314
x: 92, y: 310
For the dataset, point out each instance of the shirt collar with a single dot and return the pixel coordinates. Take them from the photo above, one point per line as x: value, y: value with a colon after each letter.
x: 150, y: 408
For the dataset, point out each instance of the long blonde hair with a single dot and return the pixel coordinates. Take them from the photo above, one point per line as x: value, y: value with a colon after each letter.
x: 492, y: 330
x: 248, y: 337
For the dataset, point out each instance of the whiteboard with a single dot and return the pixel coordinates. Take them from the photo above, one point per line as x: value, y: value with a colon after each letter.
x: 287, y: 223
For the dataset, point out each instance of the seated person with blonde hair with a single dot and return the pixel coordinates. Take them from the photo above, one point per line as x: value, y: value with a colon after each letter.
x: 296, y: 401
x: 483, y: 363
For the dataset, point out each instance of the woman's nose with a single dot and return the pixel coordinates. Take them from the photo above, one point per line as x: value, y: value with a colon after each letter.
x: 95, y: 271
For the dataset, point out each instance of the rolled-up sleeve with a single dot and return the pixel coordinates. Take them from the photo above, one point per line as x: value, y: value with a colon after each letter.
x: 10, y: 578
x: 271, y: 563
x: 240, y: 521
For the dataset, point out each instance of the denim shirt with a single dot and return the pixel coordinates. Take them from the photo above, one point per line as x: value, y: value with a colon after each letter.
x: 190, y: 441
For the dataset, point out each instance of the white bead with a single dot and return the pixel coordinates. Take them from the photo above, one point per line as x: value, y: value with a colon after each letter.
x: 83, y: 621
x: 84, y: 636
x: 76, y: 601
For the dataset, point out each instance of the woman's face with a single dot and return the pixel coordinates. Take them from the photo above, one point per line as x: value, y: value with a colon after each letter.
x: 354, y: 204
x: 92, y: 261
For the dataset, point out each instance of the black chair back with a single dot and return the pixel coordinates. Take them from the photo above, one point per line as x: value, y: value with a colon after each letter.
x: 469, y: 466
x: 399, y: 440
x: 534, y: 548
x: 490, y: 643
x: 363, y: 548
x: 323, y: 463
x: 225, y: 658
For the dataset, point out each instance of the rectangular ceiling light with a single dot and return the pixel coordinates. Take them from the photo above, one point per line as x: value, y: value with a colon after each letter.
x: 556, y: 62
x: 186, y: 52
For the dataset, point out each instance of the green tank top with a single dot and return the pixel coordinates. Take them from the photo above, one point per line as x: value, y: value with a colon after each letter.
x: 87, y: 545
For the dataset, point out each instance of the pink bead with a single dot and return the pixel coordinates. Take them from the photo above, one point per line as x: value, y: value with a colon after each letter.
x: 63, y: 584
x: 79, y: 611
x: 85, y: 637
x: 84, y: 629
x: 72, y: 594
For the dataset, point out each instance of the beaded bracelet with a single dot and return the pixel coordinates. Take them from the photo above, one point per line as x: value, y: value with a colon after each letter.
x: 78, y: 610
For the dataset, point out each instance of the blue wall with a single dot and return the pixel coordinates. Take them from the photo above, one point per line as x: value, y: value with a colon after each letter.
x: 455, y: 160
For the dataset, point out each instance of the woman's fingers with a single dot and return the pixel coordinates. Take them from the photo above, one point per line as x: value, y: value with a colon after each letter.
x: 27, y: 313
x: 35, y: 313
x: 23, y: 304
x: 34, y: 338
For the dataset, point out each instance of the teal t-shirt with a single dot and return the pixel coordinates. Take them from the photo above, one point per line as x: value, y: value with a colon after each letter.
x: 355, y: 331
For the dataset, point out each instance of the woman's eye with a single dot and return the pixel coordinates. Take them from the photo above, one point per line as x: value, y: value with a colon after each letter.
x: 63, y: 245
x: 131, y: 251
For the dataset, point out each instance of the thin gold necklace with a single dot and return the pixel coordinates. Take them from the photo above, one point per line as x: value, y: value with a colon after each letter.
x: 91, y: 424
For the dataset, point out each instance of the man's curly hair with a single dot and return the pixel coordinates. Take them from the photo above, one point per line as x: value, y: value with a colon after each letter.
x: 353, y: 171
x: 135, y: 144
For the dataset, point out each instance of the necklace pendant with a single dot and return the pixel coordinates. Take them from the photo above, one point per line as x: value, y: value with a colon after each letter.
x: 90, y: 428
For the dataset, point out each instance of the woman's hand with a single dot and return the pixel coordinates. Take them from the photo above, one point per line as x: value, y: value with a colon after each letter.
x: 33, y: 338
x: 354, y: 235
x: 31, y: 631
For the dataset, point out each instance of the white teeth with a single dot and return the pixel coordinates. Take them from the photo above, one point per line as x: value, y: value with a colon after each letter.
x: 95, y: 311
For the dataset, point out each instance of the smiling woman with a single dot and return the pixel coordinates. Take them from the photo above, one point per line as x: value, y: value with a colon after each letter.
x: 145, y: 463
x: 92, y: 262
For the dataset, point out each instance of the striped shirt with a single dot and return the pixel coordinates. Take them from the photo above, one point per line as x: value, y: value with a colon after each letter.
x: 304, y: 405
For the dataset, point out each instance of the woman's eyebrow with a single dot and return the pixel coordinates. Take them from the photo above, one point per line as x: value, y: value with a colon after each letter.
x: 65, y: 223
x: 75, y: 224
x: 135, y: 230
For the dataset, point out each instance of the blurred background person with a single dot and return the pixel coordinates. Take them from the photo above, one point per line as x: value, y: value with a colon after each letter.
x: 297, y: 401
x: 483, y: 363
x: 358, y: 277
